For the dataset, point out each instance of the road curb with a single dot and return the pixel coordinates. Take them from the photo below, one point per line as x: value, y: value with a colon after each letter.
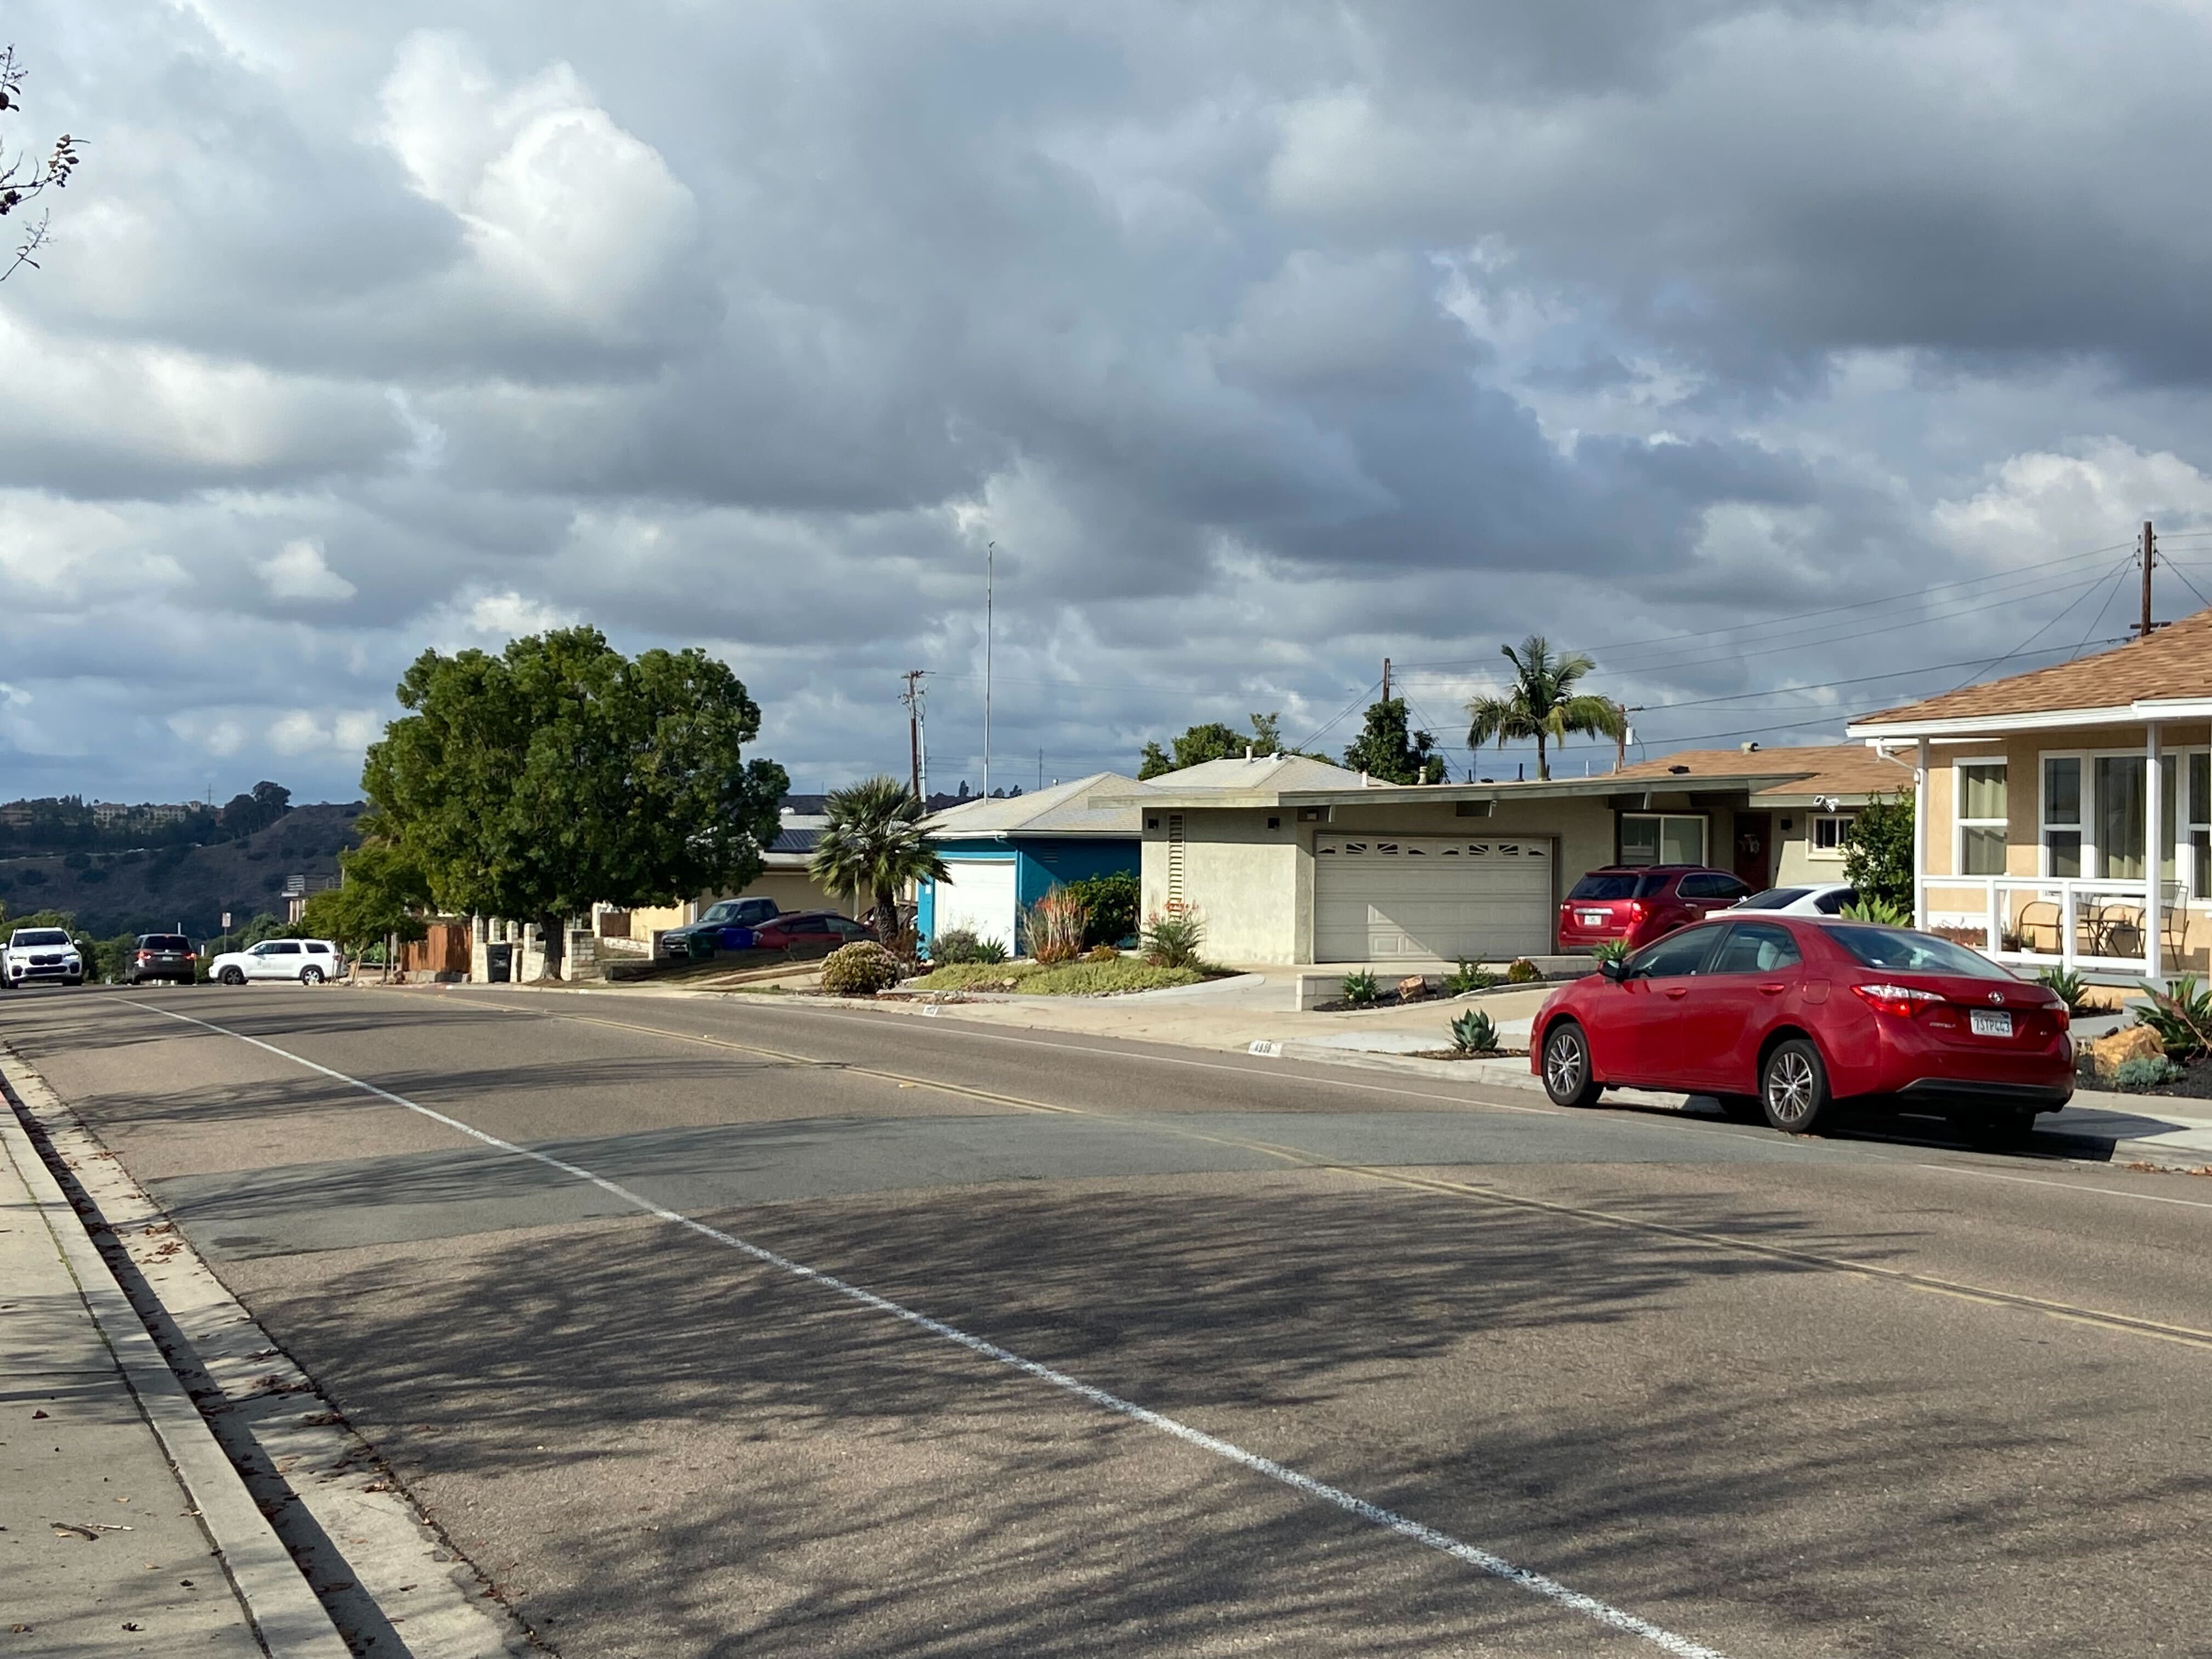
x: 289, y: 1620
x: 301, y: 1470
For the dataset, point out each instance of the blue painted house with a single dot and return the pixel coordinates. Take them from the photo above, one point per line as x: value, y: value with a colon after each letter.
x: 1006, y: 852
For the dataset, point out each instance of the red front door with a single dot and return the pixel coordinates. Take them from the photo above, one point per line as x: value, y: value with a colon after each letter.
x: 1754, y: 850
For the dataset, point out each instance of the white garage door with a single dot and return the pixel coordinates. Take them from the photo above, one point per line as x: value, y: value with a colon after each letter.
x: 979, y: 896
x: 1382, y: 899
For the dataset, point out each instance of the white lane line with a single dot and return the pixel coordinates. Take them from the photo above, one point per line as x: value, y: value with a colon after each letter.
x: 1535, y: 1584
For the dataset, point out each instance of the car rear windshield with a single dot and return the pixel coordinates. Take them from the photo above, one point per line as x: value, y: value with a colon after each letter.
x: 31, y: 936
x: 165, y: 942
x: 1604, y: 887
x: 1774, y: 898
x: 1904, y: 951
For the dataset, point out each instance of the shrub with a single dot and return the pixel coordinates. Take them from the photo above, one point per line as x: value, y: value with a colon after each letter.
x: 960, y: 945
x: 1055, y: 926
x: 1886, y: 913
x: 1613, y: 950
x: 1521, y: 971
x: 2145, y: 1072
x: 1102, y: 953
x: 2182, y: 1016
x: 1878, y: 850
x: 1112, y: 901
x: 1173, y: 941
x: 1360, y: 989
x: 859, y: 969
x: 2072, y: 988
x: 1468, y: 977
x: 1475, y: 1033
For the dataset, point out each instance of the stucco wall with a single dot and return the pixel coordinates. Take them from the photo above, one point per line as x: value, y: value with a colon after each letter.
x: 1254, y: 885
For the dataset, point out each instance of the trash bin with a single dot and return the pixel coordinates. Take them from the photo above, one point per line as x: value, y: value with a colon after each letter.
x: 498, y: 964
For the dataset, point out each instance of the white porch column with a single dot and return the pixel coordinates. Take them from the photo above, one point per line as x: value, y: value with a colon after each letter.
x: 1920, y: 836
x: 2153, y: 855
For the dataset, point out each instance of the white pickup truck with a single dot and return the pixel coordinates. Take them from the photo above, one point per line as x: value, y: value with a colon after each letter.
x: 40, y: 956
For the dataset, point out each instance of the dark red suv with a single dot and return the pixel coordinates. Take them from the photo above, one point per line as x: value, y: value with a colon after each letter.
x: 1638, y: 904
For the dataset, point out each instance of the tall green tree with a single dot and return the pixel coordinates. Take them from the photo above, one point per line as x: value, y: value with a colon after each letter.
x: 1542, y: 703
x: 560, y: 772
x: 1213, y: 741
x: 1388, y: 749
x: 383, y: 898
x: 872, y: 844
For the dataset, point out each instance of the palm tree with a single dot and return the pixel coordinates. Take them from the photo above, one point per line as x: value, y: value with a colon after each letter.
x: 873, y: 845
x: 1543, y: 703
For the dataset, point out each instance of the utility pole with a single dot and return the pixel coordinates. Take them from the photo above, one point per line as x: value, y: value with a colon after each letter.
x: 1627, y: 731
x: 1386, y: 679
x: 990, y: 564
x: 912, y: 698
x: 2147, y: 556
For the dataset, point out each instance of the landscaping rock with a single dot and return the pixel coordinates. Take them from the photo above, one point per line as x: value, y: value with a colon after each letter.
x: 1412, y: 988
x: 2107, y: 1055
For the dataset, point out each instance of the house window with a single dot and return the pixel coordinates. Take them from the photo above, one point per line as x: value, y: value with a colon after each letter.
x: 1828, y: 831
x: 2123, y: 804
x: 1982, y: 824
x: 2062, y: 815
x: 2200, y: 826
x: 1662, y: 838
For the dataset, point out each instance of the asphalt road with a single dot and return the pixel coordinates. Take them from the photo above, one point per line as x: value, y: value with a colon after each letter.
x: 1095, y: 1311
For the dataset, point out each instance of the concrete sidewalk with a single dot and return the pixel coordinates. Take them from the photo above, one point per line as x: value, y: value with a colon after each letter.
x: 123, y: 1529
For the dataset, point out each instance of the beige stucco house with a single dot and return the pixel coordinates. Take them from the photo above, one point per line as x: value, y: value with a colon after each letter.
x: 2046, y: 798
x: 1290, y: 859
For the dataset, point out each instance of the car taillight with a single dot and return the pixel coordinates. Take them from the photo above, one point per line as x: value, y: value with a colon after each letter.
x: 1899, y: 1001
x: 2060, y: 1017
x: 1637, y: 910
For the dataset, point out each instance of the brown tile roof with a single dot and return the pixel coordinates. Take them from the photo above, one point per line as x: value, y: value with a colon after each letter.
x: 1840, y: 768
x: 2176, y: 661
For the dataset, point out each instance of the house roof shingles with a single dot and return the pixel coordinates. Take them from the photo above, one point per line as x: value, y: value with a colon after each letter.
x: 1064, y: 809
x: 1843, y: 769
x: 2175, y: 662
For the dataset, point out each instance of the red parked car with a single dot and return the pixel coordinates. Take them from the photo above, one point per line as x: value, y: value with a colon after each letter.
x: 1637, y: 904
x: 1787, y: 1015
x: 809, y: 932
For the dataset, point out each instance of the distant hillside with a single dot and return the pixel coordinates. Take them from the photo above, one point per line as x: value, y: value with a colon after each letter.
x: 154, y: 890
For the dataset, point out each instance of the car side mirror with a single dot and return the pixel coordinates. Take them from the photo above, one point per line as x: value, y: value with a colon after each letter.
x: 1614, y: 969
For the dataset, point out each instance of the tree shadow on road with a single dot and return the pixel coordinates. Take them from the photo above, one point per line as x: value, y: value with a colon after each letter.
x: 658, y: 1445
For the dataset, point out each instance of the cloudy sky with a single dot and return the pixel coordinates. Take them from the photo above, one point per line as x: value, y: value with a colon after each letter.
x: 1766, y: 351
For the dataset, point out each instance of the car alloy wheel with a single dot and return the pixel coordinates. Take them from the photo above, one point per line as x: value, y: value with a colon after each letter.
x: 1793, y: 1087
x: 232, y: 976
x: 310, y: 976
x: 1566, y: 1066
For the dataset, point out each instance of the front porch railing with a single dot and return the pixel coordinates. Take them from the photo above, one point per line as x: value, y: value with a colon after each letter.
x: 2073, y: 922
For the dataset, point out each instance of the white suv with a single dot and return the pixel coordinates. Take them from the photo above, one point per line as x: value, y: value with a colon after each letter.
x: 310, y: 961
x: 35, y: 956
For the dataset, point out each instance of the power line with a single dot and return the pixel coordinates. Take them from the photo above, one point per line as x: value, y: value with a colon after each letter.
x: 1824, y: 610
x: 1313, y: 737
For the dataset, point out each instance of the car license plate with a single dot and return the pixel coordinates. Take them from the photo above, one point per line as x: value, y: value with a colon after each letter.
x: 1593, y: 918
x: 1985, y: 1024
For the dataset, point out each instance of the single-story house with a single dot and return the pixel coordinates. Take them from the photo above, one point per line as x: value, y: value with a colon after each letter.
x: 2047, y: 799
x: 783, y: 877
x: 1290, y: 859
x: 1004, y: 853
x: 1787, y: 834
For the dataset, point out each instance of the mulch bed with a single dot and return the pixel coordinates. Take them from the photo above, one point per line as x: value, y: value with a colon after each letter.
x: 2195, y: 1082
x: 1472, y: 1053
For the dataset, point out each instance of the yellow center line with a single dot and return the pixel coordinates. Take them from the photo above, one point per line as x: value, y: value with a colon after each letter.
x: 1303, y: 1159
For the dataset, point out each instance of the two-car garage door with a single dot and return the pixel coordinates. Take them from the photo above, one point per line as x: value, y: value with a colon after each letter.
x: 1382, y: 899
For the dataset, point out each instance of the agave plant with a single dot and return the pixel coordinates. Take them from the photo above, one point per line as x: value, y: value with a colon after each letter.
x: 1613, y: 950
x: 1360, y: 988
x: 1872, y: 906
x: 1475, y: 1033
x: 2071, y: 988
x: 1468, y: 977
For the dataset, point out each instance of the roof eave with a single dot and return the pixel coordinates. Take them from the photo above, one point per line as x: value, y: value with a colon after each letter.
x: 2034, y: 719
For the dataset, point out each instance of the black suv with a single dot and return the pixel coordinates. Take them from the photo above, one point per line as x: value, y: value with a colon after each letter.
x: 162, y: 956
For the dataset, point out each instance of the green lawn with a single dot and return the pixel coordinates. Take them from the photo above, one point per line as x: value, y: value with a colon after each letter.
x: 1066, y: 979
